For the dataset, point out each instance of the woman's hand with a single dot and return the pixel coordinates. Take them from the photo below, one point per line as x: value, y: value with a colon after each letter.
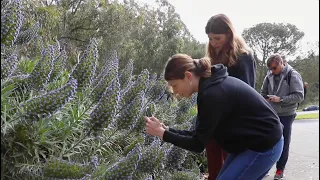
x: 165, y: 127
x: 154, y: 127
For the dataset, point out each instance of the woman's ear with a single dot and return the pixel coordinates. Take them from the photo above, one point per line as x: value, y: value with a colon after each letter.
x: 188, y: 74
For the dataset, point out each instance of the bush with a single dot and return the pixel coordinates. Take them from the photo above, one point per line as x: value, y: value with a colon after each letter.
x: 83, y: 123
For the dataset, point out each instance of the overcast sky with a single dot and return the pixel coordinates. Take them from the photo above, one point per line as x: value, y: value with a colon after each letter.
x: 246, y: 13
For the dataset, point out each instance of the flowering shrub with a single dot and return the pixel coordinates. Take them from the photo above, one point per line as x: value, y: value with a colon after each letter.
x: 85, y: 122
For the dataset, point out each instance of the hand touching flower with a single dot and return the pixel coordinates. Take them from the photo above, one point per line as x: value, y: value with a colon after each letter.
x: 154, y: 127
x: 164, y: 126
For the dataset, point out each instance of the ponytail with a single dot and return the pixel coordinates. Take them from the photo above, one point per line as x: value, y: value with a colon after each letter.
x: 203, y: 67
x: 180, y: 63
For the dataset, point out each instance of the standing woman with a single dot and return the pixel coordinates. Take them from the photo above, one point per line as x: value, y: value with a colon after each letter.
x: 227, y: 48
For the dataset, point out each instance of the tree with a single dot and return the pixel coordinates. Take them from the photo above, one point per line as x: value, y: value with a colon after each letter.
x: 269, y: 38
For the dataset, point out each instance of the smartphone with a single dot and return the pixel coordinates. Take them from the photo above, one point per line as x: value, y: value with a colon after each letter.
x: 266, y: 96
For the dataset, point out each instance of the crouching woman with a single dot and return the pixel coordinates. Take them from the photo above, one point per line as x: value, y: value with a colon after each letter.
x: 231, y: 112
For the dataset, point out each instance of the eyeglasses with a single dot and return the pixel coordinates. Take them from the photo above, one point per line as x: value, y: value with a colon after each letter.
x: 273, y: 68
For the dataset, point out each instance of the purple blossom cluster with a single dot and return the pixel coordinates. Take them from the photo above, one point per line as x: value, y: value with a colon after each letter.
x: 192, y: 123
x: 140, y: 124
x: 84, y: 71
x: 125, y: 168
x: 111, y: 66
x: 86, y: 177
x: 19, y: 80
x: 175, y: 156
x: 104, y: 79
x: 48, y: 103
x: 183, y: 111
x: 140, y: 84
x: 107, y: 66
x: 95, y: 161
x: 59, y: 65
x: 11, y: 22
x: 40, y: 75
x: 129, y: 115
x: 150, y: 158
x: 8, y: 65
x: 126, y: 74
x: 157, y: 90
x: 28, y: 34
x: 107, y: 107
x: 148, y: 139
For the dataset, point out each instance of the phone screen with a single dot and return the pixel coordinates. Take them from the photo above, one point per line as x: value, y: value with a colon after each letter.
x: 148, y: 112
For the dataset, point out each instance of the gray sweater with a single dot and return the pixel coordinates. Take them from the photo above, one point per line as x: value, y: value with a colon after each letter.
x: 292, y: 95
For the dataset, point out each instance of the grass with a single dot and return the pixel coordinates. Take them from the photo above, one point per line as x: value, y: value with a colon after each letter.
x: 308, y: 116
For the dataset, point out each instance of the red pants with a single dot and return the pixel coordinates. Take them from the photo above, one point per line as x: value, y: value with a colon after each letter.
x: 216, y: 157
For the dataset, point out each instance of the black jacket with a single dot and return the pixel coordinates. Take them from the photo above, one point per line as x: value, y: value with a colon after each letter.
x: 231, y: 112
x: 245, y: 69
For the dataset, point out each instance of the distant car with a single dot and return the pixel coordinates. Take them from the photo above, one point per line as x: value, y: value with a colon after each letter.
x: 311, y: 108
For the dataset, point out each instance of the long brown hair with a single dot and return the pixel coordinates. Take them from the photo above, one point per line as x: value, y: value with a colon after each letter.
x: 221, y: 24
x: 178, y: 64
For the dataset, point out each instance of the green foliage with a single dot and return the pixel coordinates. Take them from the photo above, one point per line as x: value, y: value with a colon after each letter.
x: 308, y: 67
x: 146, y: 35
x: 55, y: 168
x: 84, y: 122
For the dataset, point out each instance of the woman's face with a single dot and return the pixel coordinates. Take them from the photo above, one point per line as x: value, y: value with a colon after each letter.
x: 218, y: 41
x: 183, y: 87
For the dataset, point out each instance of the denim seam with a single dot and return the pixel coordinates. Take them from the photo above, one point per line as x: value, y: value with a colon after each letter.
x: 249, y: 166
x: 270, y: 156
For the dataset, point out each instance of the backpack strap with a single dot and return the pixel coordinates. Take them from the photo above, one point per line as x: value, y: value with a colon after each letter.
x: 288, y: 77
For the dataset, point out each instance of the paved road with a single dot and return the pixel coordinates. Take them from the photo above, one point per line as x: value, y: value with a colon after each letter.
x: 307, y: 112
x: 303, y: 163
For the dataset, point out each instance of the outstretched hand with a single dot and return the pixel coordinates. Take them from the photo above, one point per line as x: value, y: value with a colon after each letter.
x: 154, y: 127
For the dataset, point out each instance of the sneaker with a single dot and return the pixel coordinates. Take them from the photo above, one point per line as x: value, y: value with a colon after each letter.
x: 279, y: 175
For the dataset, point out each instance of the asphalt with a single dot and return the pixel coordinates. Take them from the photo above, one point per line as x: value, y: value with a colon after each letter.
x: 303, y: 163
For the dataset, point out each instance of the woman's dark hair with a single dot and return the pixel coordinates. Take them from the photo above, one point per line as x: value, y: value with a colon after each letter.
x: 178, y: 64
x: 221, y: 24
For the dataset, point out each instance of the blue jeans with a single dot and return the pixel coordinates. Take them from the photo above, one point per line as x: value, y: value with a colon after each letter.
x: 250, y: 165
x: 287, y: 127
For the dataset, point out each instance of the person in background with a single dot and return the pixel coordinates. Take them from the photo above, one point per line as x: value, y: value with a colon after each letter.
x: 283, y: 88
x: 227, y: 48
x: 229, y: 111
